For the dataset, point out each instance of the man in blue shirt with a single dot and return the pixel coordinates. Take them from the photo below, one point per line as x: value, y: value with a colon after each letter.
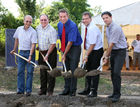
x: 71, y: 47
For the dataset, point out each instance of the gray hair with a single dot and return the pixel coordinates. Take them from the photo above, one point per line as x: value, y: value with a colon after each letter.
x: 28, y: 16
x: 43, y: 15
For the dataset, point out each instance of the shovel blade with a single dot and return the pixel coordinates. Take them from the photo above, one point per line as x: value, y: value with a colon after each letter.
x: 93, y: 73
x: 67, y: 74
x: 55, y: 72
x: 79, y: 72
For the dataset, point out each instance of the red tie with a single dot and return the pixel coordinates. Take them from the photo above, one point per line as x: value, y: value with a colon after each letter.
x: 63, y: 39
x: 85, y: 38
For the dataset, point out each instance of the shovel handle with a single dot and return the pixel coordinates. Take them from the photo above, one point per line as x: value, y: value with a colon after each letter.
x: 25, y: 59
x: 46, y: 61
x: 48, y: 65
x: 64, y: 66
x: 100, y: 66
x: 83, y: 65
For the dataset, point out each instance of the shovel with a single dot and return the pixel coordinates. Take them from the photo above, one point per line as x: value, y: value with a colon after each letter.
x: 66, y: 74
x: 35, y: 65
x: 80, y: 71
x: 53, y: 72
x: 46, y: 62
x: 95, y: 71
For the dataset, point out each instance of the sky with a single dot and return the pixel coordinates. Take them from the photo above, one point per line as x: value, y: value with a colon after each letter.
x: 106, y: 5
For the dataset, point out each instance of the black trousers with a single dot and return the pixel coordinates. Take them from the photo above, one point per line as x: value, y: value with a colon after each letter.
x: 91, y: 82
x: 117, y: 60
x: 72, y: 61
x: 47, y: 82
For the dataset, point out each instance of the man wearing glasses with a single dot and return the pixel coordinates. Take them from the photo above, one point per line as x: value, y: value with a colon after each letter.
x: 94, y: 50
x: 25, y: 36
x: 47, y: 37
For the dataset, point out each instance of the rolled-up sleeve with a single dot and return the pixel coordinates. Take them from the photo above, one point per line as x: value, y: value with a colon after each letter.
x: 16, y: 33
x: 93, y: 38
x: 53, y: 37
x: 34, y: 37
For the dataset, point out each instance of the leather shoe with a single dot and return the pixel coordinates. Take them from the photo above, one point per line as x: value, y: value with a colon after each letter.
x: 28, y: 94
x: 84, y: 92
x: 41, y: 93
x: 92, y: 94
x: 72, y: 94
x: 64, y: 93
x: 20, y: 93
x: 110, y: 96
x: 115, y: 99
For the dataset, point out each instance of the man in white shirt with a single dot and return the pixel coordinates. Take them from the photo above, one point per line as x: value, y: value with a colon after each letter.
x: 25, y: 36
x: 136, y: 54
x: 94, y: 50
x: 47, y: 37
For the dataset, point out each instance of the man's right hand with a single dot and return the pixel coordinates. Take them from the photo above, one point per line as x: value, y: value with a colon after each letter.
x: 105, y: 60
x: 12, y: 52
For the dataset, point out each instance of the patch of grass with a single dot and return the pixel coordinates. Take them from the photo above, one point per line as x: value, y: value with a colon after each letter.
x: 105, y: 86
x: 130, y: 85
x: 8, y: 80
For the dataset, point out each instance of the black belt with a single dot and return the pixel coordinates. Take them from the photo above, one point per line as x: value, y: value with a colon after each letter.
x: 118, y: 49
x: 44, y: 51
x: 24, y: 50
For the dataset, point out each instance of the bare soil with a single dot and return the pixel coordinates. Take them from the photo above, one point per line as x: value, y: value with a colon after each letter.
x: 9, y: 98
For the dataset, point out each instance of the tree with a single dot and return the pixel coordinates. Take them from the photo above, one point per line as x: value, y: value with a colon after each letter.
x: 97, y: 10
x: 39, y: 9
x: 27, y: 7
x: 52, y: 12
x: 76, y: 8
x: 3, y: 12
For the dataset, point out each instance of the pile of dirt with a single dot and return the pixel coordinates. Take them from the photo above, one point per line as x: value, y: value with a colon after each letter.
x: 13, y: 100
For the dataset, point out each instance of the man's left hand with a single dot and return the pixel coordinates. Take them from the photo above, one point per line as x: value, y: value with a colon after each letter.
x: 63, y: 58
x: 29, y: 59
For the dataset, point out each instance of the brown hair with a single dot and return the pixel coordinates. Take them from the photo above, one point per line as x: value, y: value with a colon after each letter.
x: 87, y: 13
x: 63, y: 11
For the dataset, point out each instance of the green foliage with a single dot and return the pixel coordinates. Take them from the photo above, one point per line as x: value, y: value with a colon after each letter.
x: 76, y: 8
x: 39, y: 9
x: 3, y: 12
x: 2, y: 40
x: 52, y: 12
x: 9, y: 21
x: 97, y: 10
x: 27, y: 7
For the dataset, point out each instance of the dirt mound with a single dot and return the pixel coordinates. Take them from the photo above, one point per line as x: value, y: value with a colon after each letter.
x: 13, y: 100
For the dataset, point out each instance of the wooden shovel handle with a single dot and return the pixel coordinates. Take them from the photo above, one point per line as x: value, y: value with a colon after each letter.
x: 25, y: 59
x: 64, y: 66
x: 46, y: 61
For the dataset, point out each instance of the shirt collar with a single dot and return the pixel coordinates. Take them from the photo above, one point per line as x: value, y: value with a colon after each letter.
x: 67, y: 23
x: 111, y: 24
x: 89, y: 25
x: 44, y: 27
x: 27, y: 29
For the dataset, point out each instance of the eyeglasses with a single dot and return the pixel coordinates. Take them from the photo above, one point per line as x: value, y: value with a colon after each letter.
x: 85, y: 19
x: 43, y: 20
x: 28, y: 21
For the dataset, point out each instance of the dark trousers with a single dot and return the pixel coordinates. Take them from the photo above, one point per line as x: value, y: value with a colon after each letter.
x: 117, y: 60
x: 45, y: 78
x: 91, y: 82
x: 72, y: 60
